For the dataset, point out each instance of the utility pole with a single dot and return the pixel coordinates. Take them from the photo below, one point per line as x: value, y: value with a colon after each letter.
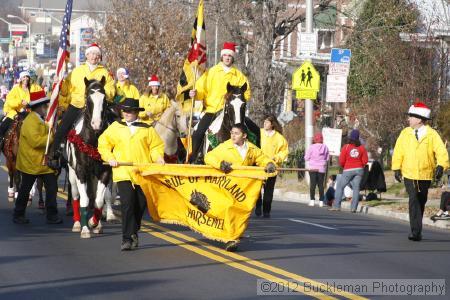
x: 309, y: 105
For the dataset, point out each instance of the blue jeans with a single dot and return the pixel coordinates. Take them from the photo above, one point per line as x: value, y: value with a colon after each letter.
x: 354, y: 177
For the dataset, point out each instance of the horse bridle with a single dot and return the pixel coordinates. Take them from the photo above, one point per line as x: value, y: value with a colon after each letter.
x: 165, y: 126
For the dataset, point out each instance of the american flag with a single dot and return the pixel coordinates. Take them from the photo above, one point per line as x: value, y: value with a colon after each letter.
x: 63, y: 53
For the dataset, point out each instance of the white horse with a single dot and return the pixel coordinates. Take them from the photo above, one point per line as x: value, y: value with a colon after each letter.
x: 171, y: 125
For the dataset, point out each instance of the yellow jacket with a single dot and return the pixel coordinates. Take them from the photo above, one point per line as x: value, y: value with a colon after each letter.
x: 32, y: 142
x: 75, y: 87
x: 154, y: 104
x: 212, y: 86
x: 275, y: 146
x: 126, y: 90
x: 418, y: 159
x: 117, y: 142
x: 228, y: 152
x: 13, y: 103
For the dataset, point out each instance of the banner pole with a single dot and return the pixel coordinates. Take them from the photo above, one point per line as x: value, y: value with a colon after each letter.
x: 189, y: 137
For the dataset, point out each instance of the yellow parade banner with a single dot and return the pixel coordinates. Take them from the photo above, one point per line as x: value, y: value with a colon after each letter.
x: 216, y: 205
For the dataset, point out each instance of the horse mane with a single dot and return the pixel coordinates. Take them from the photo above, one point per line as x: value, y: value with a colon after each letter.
x: 168, y: 115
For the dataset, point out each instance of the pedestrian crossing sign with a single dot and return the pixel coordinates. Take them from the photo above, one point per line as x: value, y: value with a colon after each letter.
x: 306, y: 81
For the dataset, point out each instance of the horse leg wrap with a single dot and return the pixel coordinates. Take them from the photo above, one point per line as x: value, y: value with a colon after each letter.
x: 83, y: 216
x: 97, y: 215
x: 76, y: 210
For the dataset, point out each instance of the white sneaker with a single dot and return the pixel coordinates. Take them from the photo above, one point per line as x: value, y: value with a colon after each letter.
x: 320, y: 203
x: 311, y: 203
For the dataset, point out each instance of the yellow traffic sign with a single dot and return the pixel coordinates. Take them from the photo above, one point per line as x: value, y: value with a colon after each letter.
x: 309, y: 94
x: 306, y: 78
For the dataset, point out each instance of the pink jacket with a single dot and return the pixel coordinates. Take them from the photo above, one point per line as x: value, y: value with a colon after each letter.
x: 317, y: 156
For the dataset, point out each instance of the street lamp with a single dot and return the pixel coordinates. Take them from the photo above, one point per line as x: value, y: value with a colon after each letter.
x: 30, y: 53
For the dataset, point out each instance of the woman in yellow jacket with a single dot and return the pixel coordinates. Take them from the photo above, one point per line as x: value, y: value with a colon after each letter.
x: 237, y: 151
x: 17, y: 100
x: 153, y: 102
x: 275, y: 146
x: 419, y: 155
x: 32, y: 143
x: 130, y: 141
x: 124, y: 88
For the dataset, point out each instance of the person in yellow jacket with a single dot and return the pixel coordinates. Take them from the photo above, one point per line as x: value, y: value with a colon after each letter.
x: 124, y: 88
x: 32, y: 143
x: 17, y: 100
x: 237, y: 151
x: 211, y: 89
x: 130, y: 141
x: 275, y: 146
x: 74, y: 86
x: 153, y: 101
x: 419, y: 155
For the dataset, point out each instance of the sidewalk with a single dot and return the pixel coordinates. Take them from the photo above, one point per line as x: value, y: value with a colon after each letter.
x: 280, y: 195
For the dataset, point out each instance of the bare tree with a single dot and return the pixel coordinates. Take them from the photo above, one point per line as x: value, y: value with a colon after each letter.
x: 257, y: 27
x: 147, y: 37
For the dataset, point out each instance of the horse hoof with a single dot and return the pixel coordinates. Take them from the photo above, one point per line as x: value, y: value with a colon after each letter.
x: 85, y: 233
x: 76, y: 226
x: 111, y: 217
x: 98, y: 229
x: 92, y: 224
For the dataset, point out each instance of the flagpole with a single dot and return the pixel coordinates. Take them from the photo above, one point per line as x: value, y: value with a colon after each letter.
x: 189, y: 137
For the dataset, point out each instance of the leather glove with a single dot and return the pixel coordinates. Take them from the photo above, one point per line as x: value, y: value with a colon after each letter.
x: 438, y: 173
x: 398, y: 175
x: 225, y: 167
x: 270, y: 168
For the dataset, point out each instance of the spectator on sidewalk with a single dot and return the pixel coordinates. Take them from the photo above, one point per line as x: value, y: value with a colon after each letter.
x: 419, y: 155
x: 331, y: 189
x: 443, y: 214
x: 352, y: 159
x: 317, y: 156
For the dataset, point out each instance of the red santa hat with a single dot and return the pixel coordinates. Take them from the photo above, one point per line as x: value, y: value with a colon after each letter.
x: 93, y: 48
x: 228, y: 48
x: 37, y: 98
x: 153, y: 81
x: 420, y: 110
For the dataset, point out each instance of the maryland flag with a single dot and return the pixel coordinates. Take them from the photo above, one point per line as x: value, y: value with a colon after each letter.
x: 216, y: 205
x: 195, y: 63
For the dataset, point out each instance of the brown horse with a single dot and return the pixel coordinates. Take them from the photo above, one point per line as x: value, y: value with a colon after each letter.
x: 10, y: 148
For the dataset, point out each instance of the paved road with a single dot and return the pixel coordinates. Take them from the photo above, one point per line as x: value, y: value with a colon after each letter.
x: 39, y: 261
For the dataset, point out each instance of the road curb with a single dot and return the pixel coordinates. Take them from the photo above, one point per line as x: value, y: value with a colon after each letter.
x: 296, y: 197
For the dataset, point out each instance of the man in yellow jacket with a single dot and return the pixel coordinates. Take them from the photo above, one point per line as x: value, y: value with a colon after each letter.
x: 74, y: 87
x: 237, y: 151
x: 211, y: 89
x: 32, y: 143
x: 419, y: 155
x: 130, y: 141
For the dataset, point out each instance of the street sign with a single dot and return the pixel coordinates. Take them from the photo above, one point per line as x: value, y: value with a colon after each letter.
x: 339, y: 68
x: 336, y: 88
x: 340, y: 55
x: 306, y: 80
x: 18, y: 27
x: 6, y: 40
x: 308, y: 42
x: 333, y: 139
x: 340, y: 61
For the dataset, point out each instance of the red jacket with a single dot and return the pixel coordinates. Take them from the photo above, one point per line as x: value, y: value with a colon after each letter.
x: 353, y: 156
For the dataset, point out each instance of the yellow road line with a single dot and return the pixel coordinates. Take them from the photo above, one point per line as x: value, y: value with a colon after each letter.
x: 250, y: 261
x: 234, y: 264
